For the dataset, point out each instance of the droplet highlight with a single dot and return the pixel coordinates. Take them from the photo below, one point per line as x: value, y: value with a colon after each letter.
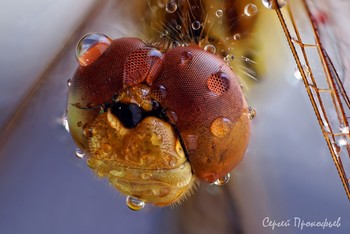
x: 210, y: 48
x: 186, y: 57
x: 223, y: 180
x: 237, y: 36
x: 250, y: 9
x: 273, y: 4
x: 342, y: 141
x: 134, y: 203
x: 219, y: 13
x: 221, y: 127
x: 69, y: 82
x: 297, y: 73
x: 91, y: 47
x: 79, y: 153
x: 196, y: 25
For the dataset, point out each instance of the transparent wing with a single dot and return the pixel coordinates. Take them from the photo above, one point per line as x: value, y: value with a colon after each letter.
x: 322, y: 81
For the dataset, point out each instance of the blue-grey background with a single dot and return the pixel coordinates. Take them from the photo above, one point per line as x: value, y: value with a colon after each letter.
x: 44, y: 188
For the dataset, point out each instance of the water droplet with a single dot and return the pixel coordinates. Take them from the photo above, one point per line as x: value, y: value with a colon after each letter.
x: 273, y: 4
x: 297, y: 73
x: 250, y: 9
x: 218, y: 83
x: 79, y: 124
x: 175, y: 44
x: 186, y: 57
x: 344, y: 130
x: 91, y: 47
x: 219, y: 13
x: 342, y: 141
x: 159, y: 93
x: 229, y: 57
x: 210, y: 48
x: 223, y: 180
x: 196, y: 25
x: 251, y: 112
x: 69, y: 82
x: 79, y: 153
x: 221, y: 127
x: 237, y: 36
x: 178, y: 27
x: 172, y: 116
x: 171, y: 7
x: 134, y: 203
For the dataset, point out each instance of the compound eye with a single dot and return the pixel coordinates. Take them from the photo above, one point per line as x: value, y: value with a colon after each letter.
x: 128, y: 114
x: 91, y: 47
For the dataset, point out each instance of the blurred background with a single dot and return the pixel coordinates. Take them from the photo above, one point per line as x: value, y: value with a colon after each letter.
x: 44, y: 188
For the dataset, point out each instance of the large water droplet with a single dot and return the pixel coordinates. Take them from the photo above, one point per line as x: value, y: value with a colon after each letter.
x: 219, y: 13
x: 79, y: 153
x: 221, y: 127
x: 273, y: 4
x: 186, y: 57
x: 223, y: 180
x: 210, y: 48
x: 171, y: 7
x: 250, y: 9
x: 196, y: 25
x: 134, y: 203
x: 91, y: 47
x: 218, y: 83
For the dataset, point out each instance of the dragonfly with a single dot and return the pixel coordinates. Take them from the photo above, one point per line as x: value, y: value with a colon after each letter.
x: 324, y: 86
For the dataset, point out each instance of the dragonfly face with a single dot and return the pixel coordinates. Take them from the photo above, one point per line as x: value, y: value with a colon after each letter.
x: 157, y: 113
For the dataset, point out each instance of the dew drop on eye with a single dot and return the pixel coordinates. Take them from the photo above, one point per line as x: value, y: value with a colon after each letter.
x: 91, y: 47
